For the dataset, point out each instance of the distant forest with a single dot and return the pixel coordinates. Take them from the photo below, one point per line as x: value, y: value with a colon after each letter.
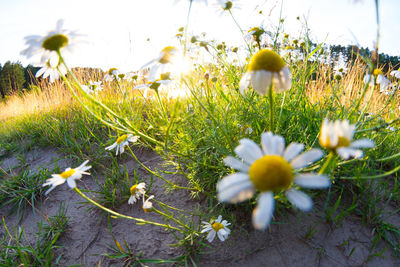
x: 14, y: 78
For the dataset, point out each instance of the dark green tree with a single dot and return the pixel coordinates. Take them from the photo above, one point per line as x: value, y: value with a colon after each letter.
x: 12, y: 78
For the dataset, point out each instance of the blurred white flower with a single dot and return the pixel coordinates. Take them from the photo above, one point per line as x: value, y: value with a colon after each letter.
x: 46, y: 46
x: 266, y: 68
x: 395, y: 73
x: 270, y: 169
x: 338, y: 136
x: 147, y: 205
x: 50, y: 70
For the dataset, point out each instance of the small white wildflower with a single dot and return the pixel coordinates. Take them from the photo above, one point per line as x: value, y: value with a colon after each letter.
x: 216, y: 227
x: 121, y: 142
x: 136, y: 190
x: 69, y: 175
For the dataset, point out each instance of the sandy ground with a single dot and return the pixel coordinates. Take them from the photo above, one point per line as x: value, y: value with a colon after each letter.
x: 287, y: 242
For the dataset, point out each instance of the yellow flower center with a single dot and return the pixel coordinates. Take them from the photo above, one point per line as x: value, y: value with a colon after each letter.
x: 217, y: 226
x: 228, y: 5
x: 133, y: 189
x: 121, y: 139
x: 270, y: 173
x: 110, y: 71
x: 268, y: 60
x: 67, y: 174
x: 55, y: 42
x: 342, y: 142
x: 155, y: 85
x: 168, y: 53
x: 377, y: 72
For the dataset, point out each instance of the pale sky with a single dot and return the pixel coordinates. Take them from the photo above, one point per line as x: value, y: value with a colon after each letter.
x: 117, y: 31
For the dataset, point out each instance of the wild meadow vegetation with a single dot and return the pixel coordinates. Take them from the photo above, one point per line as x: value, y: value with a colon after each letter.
x: 231, y: 124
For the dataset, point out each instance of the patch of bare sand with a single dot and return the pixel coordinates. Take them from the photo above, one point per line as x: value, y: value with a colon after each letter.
x: 87, y: 235
x: 288, y: 242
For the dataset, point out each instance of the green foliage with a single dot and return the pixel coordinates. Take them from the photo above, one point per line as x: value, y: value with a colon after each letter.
x: 12, y: 78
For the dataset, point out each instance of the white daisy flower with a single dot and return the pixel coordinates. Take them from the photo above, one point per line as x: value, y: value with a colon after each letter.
x: 225, y: 6
x: 270, y: 169
x: 111, y: 75
x: 383, y: 82
x: 46, y: 46
x: 87, y: 89
x: 161, y: 64
x: 338, y: 136
x: 257, y: 34
x: 395, y: 73
x: 216, y: 227
x: 266, y: 68
x: 121, y: 142
x: 147, y: 205
x: 69, y: 175
x: 95, y: 86
x: 136, y: 190
x: 50, y: 70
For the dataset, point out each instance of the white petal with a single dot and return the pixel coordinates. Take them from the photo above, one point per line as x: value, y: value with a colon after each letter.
x: 221, y: 235
x: 232, y: 180
x: 312, y: 180
x: 206, y: 228
x: 306, y: 158
x: 71, y: 182
x: 211, y: 236
x: 299, y: 199
x: 111, y: 147
x: 262, y: 214
x: 292, y: 151
x: 237, y: 193
x: 362, y: 143
x: 348, y: 152
x: 131, y: 200
x: 236, y: 164
x: 261, y: 81
x: 248, y: 151
x: 272, y: 144
x: 244, y: 82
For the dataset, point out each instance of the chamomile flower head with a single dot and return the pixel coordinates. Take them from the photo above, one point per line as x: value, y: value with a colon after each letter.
x: 147, y: 205
x: 69, y: 175
x: 338, y: 136
x: 395, y: 73
x: 121, y: 142
x: 46, y: 46
x: 216, y: 227
x: 111, y: 75
x: 381, y: 80
x: 270, y: 169
x: 266, y: 68
x: 162, y: 64
x: 50, y: 69
x: 255, y: 34
x: 137, y: 190
x: 96, y: 86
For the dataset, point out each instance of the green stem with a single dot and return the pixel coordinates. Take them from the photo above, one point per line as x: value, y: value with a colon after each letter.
x: 328, y: 162
x: 104, y: 107
x: 271, y: 108
x: 124, y: 216
x: 157, y: 175
x: 171, y: 218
